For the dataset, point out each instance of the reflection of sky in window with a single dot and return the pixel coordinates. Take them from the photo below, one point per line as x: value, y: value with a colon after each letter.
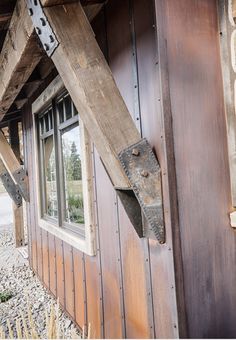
x: 73, y: 136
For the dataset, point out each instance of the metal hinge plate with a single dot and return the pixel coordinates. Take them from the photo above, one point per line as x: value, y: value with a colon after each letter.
x: 42, y: 26
x: 144, y: 173
x: 21, y: 178
x: 11, y: 188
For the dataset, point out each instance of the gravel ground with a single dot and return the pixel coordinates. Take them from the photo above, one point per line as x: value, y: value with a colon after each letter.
x: 16, y: 277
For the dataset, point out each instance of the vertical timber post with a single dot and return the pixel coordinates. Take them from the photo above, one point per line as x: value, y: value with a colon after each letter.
x: 17, y: 211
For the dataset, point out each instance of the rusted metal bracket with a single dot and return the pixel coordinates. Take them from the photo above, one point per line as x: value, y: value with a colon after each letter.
x: 144, y: 173
x: 12, y: 189
x: 42, y: 26
x: 21, y: 178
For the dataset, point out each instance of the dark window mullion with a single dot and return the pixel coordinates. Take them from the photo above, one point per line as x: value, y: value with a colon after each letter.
x: 57, y: 162
x: 43, y: 175
x: 41, y: 169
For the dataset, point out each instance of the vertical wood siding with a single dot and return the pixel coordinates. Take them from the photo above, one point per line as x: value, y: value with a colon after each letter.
x: 127, y: 289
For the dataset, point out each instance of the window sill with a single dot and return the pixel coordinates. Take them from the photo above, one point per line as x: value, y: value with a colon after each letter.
x: 68, y: 237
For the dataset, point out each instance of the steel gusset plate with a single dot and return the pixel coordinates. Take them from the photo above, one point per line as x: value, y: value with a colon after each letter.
x: 42, y: 26
x: 144, y: 173
x: 11, y: 188
x: 21, y: 179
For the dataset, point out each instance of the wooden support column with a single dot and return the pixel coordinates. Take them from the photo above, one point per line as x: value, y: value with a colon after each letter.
x: 88, y: 78
x: 18, y: 218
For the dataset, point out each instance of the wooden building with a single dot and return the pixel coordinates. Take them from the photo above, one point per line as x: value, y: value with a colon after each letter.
x: 135, y: 236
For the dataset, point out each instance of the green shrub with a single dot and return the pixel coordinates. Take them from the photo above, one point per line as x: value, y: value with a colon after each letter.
x: 5, y: 296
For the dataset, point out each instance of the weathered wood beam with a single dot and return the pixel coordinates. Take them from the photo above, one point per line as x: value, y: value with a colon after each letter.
x: 13, y: 166
x: 91, y: 7
x: 20, y: 54
x: 47, y: 3
x: 88, y: 78
x: 9, y: 185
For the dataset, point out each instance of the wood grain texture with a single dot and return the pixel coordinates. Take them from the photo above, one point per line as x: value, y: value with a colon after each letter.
x: 202, y: 168
x: 8, y: 157
x: 20, y: 54
x: 90, y: 83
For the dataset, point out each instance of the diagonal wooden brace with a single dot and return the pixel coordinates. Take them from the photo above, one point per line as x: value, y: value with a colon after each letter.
x: 88, y: 79
x: 13, y: 167
x: 10, y: 186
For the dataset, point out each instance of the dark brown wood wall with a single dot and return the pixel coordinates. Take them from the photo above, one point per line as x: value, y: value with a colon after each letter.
x: 208, y: 242
x: 128, y: 289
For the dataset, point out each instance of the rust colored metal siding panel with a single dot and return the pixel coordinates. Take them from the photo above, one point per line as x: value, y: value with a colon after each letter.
x: 60, y: 272
x: 52, y: 263
x: 161, y: 257
x: 80, y: 289
x: 133, y: 250
x: 110, y: 253
x: 69, y: 280
x: 95, y: 318
x: 46, y: 274
x: 202, y: 168
x: 93, y: 275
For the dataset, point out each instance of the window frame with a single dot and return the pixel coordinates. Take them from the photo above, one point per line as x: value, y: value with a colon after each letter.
x: 61, y: 229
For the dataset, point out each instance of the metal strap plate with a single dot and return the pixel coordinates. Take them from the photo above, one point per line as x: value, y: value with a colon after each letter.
x: 21, y: 179
x: 144, y: 173
x: 11, y: 188
x: 42, y: 26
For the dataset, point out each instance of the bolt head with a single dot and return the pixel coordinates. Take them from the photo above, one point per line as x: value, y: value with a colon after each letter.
x: 135, y: 152
x: 144, y: 173
x: 38, y: 30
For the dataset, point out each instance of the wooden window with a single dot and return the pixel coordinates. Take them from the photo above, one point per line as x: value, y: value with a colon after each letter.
x: 63, y: 161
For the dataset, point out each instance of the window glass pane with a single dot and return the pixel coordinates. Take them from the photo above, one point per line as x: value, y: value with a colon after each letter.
x: 68, y: 107
x: 71, y: 150
x: 50, y: 178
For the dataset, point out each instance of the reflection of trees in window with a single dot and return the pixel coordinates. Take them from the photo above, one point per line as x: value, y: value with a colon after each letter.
x: 74, y: 209
x: 60, y: 164
x: 75, y: 163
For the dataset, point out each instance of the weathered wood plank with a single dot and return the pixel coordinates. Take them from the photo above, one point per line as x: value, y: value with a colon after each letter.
x: 89, y: 80
x: 20, y: 54
x: 8, y: 157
